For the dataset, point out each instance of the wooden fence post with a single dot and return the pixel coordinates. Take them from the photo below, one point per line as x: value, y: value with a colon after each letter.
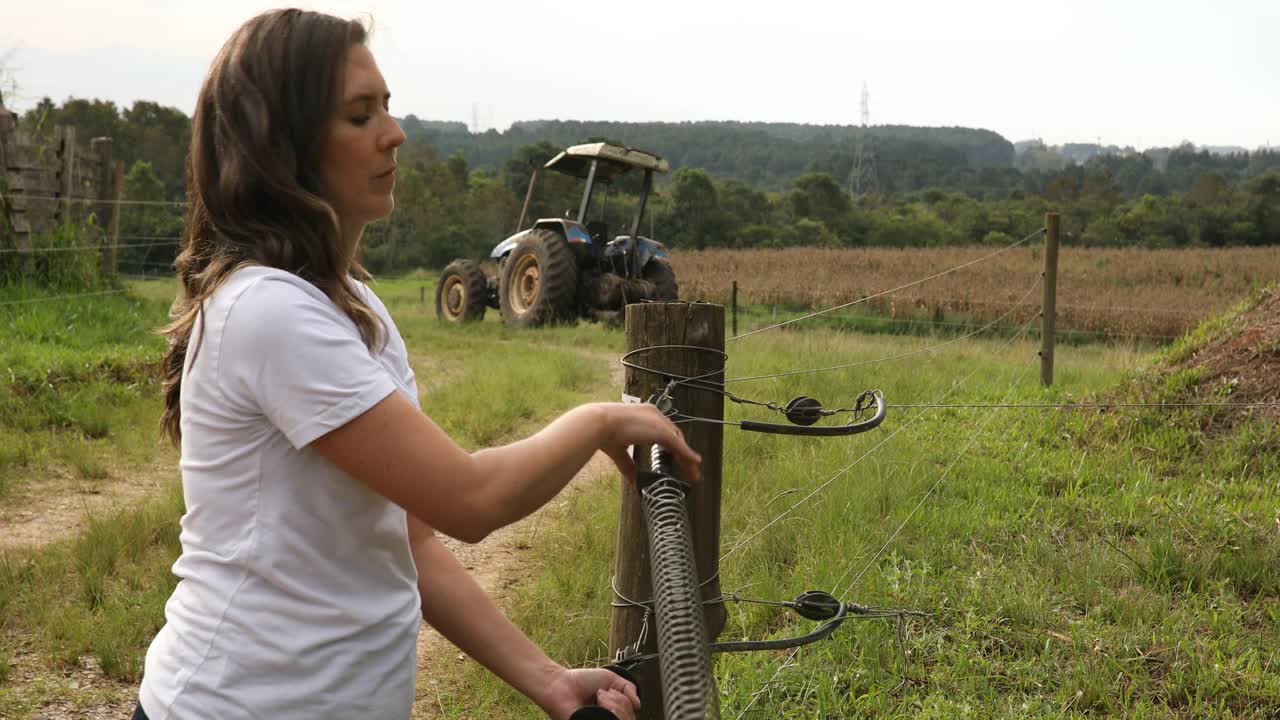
x: 67, y: 167
x: 101, y: 148
x: 734, y: 302
x: 1049, y: 308
x: 684, y: 328
x: 117, y: 195
x: 8, y: 132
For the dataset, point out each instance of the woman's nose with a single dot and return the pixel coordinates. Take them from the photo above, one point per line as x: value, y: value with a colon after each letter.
x: 394, y: 138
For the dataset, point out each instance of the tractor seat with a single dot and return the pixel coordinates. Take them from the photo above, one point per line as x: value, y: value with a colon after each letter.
x: 598, y: 230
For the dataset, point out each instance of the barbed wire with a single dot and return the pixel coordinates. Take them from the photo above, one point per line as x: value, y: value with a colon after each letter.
x: 953, y: 388
x: 972, y: 439
x: 874, y: 323
x: 1082, y: 405
x: 89, y: 201
x: 1074, y: 306
x: 919, y: 351
x: 95, y: 248
x: 962, y: 266
x: 52, y: 298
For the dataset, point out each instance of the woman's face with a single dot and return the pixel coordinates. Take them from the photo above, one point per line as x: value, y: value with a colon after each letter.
x: 358, y: 167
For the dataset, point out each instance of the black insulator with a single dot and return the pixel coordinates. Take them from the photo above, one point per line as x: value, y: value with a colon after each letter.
x: 817, y: 605
x: 804, y: 410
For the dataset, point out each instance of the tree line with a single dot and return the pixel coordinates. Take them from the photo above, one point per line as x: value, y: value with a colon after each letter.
x: 743, y: 185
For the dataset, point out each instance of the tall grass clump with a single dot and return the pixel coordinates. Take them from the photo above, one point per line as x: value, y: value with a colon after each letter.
x: 62, y: 259
x: 79, y: 384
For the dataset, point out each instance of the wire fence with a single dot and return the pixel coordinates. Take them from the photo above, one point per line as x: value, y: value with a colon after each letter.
x: 982, y: 427
x: 883, y: 293
x: 91, y: 201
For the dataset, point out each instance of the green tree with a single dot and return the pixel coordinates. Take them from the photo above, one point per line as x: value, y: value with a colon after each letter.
x: 161, y: 136
x: 1263, y: 207
x: 696, y: 220
x: 149, y: 227
x: 818, y: 196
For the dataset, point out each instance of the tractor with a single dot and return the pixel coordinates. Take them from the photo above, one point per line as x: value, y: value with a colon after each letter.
x: 561, y: 269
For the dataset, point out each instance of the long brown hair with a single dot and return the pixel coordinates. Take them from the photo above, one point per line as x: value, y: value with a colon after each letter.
x: 254, y: 191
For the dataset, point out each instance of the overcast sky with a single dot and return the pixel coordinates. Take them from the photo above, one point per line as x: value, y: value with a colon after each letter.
x: 1128, y: 72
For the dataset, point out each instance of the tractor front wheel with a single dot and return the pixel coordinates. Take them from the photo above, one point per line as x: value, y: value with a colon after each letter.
x: 539, y: 281
x: 460, y: 296
x: 659, y: 273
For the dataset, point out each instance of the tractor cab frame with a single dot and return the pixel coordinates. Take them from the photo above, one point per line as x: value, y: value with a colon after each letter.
x: 559, y: 269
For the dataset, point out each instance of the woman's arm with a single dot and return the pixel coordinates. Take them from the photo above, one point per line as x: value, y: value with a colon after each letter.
x: 399, y: 452
x: 455, y: 605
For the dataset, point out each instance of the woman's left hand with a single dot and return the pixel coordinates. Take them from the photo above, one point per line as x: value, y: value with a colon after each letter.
x: 574, y: 689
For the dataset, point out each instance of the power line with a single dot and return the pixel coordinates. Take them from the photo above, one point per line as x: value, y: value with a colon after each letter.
x: 988, y: 256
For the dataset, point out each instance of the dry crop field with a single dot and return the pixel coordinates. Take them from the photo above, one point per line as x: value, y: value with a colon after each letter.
x: 1109, y: 291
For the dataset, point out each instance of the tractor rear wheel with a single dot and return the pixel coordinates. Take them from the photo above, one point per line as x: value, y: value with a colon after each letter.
x: 539, y: 281
x: 460, y: 296
x: 659, y: 273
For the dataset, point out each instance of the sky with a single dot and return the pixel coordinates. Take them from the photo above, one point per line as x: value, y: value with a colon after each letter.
x: 1144, y: 73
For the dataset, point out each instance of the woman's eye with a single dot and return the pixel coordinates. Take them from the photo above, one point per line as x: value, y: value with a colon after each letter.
x: 360, y: 120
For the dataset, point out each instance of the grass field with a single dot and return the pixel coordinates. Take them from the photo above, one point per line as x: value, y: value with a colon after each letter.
x: 82, y: 399
x: 1073, y: 563
x: 1101, y: 291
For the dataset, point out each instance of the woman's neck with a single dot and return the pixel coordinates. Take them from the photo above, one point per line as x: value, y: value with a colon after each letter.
x: 351, y: 241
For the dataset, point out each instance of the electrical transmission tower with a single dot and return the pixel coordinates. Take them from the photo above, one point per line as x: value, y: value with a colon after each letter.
x: 862, y: 176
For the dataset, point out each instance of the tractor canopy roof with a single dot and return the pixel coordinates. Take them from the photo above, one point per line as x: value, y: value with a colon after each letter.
x: 614, y: 160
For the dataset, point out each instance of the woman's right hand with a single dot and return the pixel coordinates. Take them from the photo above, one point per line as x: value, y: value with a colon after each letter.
x: 628, y: 424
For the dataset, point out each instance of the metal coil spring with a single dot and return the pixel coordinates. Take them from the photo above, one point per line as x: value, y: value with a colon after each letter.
x: 683, y: 655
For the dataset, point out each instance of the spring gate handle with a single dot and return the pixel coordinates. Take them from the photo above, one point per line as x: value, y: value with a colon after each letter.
x: 805, y: 411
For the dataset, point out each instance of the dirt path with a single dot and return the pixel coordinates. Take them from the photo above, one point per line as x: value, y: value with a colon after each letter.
x: 497, y: 564
x: 57, y: 506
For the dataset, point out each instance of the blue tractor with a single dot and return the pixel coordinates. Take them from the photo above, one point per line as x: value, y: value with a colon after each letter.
x: 562, y: 269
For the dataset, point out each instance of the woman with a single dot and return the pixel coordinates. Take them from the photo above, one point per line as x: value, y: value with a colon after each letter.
x: 312, y: 479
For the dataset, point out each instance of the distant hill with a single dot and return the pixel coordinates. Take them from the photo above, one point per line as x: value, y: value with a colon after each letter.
x: 767, y: 155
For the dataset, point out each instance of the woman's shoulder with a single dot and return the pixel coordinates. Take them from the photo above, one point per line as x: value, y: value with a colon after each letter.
x: 260, y: 282
x: 269, y: 291
x: 263, y: 302
x: 366, y: 292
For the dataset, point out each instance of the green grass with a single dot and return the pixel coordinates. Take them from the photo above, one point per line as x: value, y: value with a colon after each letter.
x: 102, y: 594
x: 78, y: 387
x: 1077, y: 563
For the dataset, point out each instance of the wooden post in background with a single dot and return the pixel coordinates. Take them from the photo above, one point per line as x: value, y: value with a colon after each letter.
x: 67, y: 167
x: 8, y: 148
x: 734, y: 304
x: 117, y: 195
x: 698, y: 325
x: 101, y: 148
x: 1048, y: 309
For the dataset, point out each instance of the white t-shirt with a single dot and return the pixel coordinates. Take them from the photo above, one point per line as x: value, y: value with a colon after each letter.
x: 298, y: 595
